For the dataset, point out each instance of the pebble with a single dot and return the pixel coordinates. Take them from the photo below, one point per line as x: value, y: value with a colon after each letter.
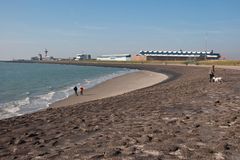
x: 227, y: 146
x: 173, y: 148
x: 113, y: 152
x: 20, y: 141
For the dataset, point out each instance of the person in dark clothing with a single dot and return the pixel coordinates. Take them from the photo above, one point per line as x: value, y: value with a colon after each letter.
x: 75, y: 90
x: 211, y: 73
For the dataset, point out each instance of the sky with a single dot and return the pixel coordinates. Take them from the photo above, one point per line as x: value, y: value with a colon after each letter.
x: 97, y: 27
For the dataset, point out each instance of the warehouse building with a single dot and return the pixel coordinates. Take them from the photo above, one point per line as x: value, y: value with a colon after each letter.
x: 179, y: 55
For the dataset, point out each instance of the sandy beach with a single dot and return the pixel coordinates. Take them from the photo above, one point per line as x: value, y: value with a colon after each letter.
x: 184, y: 117
x: 116, y: 86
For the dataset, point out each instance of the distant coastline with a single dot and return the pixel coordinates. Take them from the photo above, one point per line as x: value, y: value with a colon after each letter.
x: 155, y: 62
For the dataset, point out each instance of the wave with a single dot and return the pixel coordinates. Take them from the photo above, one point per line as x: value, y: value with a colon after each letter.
x: 34, y: 103
x: 11, y: 109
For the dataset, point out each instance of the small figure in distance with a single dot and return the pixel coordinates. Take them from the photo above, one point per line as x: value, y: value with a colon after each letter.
x: 75, y: 90
x: 211, y: 73
x: 81, y: 90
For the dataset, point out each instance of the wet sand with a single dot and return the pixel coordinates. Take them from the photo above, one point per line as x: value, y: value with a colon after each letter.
x: 116, y: 86
x: 184, y: 117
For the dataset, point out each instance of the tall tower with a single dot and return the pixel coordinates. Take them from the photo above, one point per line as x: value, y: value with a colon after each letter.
x: 46, y: 51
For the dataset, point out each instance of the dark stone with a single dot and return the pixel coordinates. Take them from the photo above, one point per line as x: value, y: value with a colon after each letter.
x: 42, y: 146
x: 217, y: 102
x: 113, y: 152
x: 20, y: 141
x: 146, y: 138
x: 173, y: 148
x: 32, y: 135
x: 96, y: 128
x: 36, y: 143
x: 211, y: 151
x: 234, y: 118
x: 76, y: 127
x: 11, y: 141
x: 52, y: 155
x: 124, y: 143
x: 156, y: 131
x: 227, y: 147
x: 187, y: 117
x: 117, y: 152
x: 149, y: 138
x: 59, y: 135
x: 99, y: 156
x: 54, y: 143
x: 43, y: 153
x: 197, y: 125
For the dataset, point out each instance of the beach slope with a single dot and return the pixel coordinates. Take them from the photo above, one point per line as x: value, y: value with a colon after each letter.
x: 116, y: 86
x: 184, y: 117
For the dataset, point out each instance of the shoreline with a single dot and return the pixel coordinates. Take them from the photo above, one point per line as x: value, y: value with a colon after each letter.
x: 113, y: 87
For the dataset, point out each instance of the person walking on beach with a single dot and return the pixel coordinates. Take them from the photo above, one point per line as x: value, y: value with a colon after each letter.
x: 211, y: 73
x: 81, y: 90
x: 75, y: 90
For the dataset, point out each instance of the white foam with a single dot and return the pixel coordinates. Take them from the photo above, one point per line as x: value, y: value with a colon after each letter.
x: 47, y: 96
x: 87, y: 81
x: 11, y: 109
x: 26, y: 93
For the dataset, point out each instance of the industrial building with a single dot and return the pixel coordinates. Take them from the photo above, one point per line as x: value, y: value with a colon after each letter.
x: 83, y: 57
x: 116, y: 57
x: 179, y: 55
x: 40, y: 57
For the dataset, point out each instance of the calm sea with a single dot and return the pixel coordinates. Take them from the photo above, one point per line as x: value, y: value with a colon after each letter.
x: 26, y: 88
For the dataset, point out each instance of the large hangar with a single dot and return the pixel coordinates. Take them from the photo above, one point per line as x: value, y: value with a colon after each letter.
x: 179, y: 55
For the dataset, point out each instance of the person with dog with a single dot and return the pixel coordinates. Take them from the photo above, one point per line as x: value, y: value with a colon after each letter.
x: 211, y: 73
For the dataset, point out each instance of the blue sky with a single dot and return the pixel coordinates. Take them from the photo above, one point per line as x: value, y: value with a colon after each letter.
x: 68, y: 27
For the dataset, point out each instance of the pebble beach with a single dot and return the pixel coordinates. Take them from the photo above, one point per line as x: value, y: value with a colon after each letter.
x: 182, y: 117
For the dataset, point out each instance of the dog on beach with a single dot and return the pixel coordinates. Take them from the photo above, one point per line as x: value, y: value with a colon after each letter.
x: 217, y: 79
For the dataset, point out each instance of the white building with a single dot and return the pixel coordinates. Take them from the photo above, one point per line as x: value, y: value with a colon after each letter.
x: 115, y: 57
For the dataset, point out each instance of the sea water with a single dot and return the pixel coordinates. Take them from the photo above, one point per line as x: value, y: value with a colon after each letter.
x: 29, y: 87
